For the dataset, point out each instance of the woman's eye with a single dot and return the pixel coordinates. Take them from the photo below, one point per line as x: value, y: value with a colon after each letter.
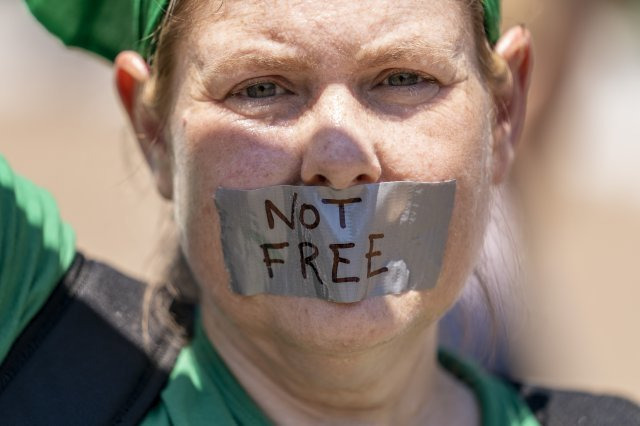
x: 261, y: 90
x: 267, y: 96
x: 407, y: 88
x: 402, y: 79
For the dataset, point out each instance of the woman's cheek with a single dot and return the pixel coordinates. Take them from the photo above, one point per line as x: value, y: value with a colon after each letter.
x: 209, y: 153
x: 233, y: 155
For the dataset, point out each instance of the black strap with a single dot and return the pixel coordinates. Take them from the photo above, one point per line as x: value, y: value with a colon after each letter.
x: 568, y: 408
x: 83, y: 359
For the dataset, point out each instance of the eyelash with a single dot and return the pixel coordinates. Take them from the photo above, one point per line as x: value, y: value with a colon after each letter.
x: 422, y: 78
x: 264, y: 81
x: 242, y: 92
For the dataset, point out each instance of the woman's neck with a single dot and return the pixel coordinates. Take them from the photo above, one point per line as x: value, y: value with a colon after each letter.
x: 397, y: 382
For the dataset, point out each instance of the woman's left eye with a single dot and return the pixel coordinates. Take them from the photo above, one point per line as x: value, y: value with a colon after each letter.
x: 407, y: 88
x: 402, y: 79
x: 261, y: 90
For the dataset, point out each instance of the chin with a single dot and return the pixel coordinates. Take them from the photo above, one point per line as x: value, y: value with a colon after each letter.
x: 317, y: 325
x: 349, y: 327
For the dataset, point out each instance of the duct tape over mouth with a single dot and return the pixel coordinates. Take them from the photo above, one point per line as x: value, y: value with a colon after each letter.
x: 338, y: 245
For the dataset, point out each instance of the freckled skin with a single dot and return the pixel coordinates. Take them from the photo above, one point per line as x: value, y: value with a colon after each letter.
x: 336, y: 124
x: 443, y: 138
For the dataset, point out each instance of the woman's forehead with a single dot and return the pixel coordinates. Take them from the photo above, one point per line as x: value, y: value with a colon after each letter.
x: 333, y: 27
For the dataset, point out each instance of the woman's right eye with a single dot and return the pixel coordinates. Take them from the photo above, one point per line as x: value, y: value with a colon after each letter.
x: 261, y: 90
x: 402, y: 79
x: 263, y: 96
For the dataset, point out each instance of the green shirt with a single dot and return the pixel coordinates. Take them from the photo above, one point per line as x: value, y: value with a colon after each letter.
x: 37, y: 247
x: 202, y: 390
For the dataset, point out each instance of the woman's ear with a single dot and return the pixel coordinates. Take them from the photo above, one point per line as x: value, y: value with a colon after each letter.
x: 514, y: 47
x: 131, y: 74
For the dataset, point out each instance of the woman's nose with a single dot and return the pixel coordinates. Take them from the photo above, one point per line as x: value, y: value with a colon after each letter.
x: 339, y: 152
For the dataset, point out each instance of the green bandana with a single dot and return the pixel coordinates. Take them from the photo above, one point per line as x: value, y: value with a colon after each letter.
x: 492, y: 20
x: 109, y: 27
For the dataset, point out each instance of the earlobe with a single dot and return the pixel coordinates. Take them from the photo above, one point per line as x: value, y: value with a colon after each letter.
x: 514, y: 47
x: 131, y: 75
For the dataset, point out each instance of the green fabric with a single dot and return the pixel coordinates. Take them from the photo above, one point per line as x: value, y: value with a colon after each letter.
x: 492, y: 20
x: 107, y: 27
x: 499, y: 404
x: 36, y: 248
x: 202, y: 391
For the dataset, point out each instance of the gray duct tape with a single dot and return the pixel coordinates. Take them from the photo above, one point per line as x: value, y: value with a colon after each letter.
x: 339, y: 245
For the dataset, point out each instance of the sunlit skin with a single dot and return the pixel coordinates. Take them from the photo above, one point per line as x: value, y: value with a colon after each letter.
x: 331, y: 93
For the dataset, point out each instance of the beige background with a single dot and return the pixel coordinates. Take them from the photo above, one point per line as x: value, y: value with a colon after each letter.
x: 61, y: 126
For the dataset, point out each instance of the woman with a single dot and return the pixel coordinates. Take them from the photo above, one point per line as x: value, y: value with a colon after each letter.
x: 252, y: 94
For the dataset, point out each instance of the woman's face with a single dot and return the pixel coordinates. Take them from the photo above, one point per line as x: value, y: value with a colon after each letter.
x: 328, y: 93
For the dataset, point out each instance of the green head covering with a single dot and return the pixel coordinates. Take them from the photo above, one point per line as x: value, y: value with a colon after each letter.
x: 107, y: 27
x: 491, y: 20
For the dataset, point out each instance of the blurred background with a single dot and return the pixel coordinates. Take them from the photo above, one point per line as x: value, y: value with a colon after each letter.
x: 576, y: 182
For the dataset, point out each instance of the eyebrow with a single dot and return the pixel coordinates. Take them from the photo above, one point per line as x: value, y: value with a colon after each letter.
x: 413, y: 50
x: 256, y: 59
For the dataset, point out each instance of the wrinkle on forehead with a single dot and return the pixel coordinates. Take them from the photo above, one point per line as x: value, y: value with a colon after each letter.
x: 344, y: 28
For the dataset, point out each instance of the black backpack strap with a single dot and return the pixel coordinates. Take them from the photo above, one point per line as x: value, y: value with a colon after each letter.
x: 568, y: 408
x: 83, y: 359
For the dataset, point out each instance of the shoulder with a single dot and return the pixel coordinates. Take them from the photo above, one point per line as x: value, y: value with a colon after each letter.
x: 36, y: 248
x: 92, y: 326
x: 558, y: 407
